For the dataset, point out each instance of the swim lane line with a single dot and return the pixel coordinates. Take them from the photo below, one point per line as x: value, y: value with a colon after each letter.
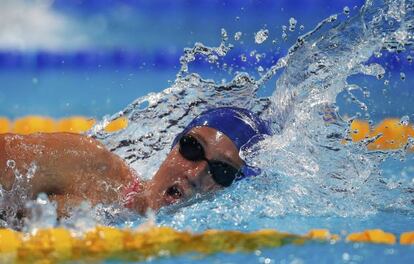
x: 394, y: 134
x: 59, y: 244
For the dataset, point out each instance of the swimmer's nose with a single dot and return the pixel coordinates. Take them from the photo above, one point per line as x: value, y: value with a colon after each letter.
x: 197, y: 174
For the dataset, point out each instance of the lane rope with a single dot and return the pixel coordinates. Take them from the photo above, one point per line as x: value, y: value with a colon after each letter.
x: 58, y: 244
x: 103, y: 242
x: 393, y: 133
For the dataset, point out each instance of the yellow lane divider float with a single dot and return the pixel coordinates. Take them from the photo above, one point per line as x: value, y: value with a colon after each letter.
x: 75, y: 124
x: 394, y: 134
x: 59, y: 244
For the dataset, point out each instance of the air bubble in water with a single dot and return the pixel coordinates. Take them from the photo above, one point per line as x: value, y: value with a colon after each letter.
x: 261, y: 36
x: 386, y: 82
x: 237, y: 36
x: 346, y: 10
x: 302, y: 27
x: 292, y: 24
x: 402, y: 76
x: 260, y: 69
x: 409, y: 58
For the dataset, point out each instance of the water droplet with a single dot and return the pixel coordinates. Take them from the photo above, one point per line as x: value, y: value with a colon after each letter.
x: 261, y: 36
x: 346, y: 257
x: 409, y: 58
x: 405, y: 120
x: 237, y: 18
x: 252, y: 53
x: 333, y: 18
x: 243, y: 57
x: 386, y: 82
x: 212, y: 58
x: 11, y: 164
x: 302, y: 27
x: 260, y: 69
x: 402, y: 76
x: 274, y: 42
x: 31, y: 171
x: 284, y: 35
x: 346, y: 10
x: 224, y: 34
x: 237, y: 36
x: 292, y: 24
x: 258, y: 57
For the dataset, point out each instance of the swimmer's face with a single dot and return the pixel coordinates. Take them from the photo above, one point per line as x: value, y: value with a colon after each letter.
x: 179, y: 179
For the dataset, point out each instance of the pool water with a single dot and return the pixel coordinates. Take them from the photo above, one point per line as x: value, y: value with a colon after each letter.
x: 357, y: 65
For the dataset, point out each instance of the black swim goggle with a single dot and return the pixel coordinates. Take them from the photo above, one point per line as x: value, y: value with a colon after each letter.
x: 223, y: 174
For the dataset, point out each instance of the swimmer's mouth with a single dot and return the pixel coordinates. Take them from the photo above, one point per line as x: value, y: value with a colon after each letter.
x: 174, y: 194
x: 175, y: 207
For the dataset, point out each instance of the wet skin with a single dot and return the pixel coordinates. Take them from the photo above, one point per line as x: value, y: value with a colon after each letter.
x: 72, y: 168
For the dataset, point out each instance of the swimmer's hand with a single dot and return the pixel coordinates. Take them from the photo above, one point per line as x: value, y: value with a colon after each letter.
x: 70, y: 168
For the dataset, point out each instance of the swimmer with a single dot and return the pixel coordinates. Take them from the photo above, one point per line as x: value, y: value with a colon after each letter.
x: 71, y: 168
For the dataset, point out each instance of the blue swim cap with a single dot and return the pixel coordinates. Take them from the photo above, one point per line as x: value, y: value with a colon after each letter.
x: 242, y: 126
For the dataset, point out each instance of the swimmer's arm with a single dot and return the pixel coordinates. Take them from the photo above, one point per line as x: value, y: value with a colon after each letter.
x: 64, y: 163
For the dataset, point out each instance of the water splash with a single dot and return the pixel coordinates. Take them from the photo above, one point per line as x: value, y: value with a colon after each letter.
x: 292, y: 24
x: 13, y: 201
x: 307, y: 170
x: 261, y: 36
x: 41, y: 214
